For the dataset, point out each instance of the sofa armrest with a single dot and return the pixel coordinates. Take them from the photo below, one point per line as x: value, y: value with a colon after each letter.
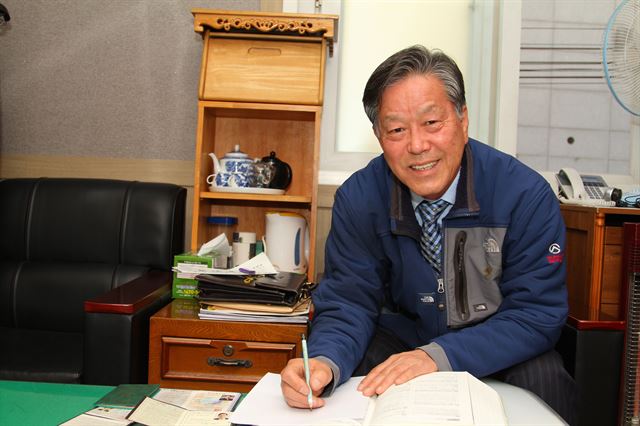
x: 116, y: 337
x: 592, y: 353
x: 132, y: 296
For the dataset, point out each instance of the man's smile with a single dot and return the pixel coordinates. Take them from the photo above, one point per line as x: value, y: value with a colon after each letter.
x: 427, y: 166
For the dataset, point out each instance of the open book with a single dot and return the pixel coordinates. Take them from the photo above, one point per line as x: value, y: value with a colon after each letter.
x: 436, y: 399
x: 442, y: 398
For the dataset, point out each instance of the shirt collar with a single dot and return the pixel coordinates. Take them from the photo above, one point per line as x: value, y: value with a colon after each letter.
x: 449, y: 196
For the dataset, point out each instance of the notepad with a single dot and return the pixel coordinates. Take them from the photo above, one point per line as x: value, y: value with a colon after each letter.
x: 127, y: 395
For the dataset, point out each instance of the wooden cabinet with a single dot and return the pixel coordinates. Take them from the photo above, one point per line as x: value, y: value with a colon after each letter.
x: 189, y: 353
x: 594, y: 259
x: 261, y: 87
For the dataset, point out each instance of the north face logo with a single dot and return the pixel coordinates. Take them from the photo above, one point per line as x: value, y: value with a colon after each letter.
x: 491, y: 246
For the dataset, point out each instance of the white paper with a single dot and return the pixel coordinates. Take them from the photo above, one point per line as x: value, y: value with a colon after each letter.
x: 265, y: 406
x: 198, y: 400
x: 256, y: 309
x: 85, y: 419
x: 157, y: 413
x: 257, y: 265
x: 444, y: 398
x: 485, y: 401
x: 110, y: 413
x: 299, y: 315
x: 297, y: 319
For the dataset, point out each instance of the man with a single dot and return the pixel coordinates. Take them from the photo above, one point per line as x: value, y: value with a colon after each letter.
x: 444, y: 253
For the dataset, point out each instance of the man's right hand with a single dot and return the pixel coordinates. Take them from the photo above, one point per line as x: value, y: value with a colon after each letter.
x: 294, y: 386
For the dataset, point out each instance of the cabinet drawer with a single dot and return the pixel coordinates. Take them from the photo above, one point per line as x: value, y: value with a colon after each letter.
x: 271, y: 71
x: 232, y: 362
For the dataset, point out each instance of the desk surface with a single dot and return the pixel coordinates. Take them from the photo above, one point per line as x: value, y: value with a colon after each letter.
x: 35, y: 404
x: 523, y: 407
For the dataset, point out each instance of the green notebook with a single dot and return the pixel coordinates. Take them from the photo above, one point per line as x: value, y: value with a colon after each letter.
x: 127, y: 395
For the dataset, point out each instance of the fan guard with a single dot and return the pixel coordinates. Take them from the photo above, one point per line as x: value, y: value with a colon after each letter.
x: 621, y: 55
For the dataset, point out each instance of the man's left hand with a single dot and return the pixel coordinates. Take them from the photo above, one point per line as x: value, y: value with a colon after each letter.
x: 397, y: 369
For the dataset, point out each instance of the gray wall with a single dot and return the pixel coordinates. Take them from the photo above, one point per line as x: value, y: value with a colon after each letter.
x: 101, y: 78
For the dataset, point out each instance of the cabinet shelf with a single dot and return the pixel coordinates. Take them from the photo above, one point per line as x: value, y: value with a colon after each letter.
x: 257, y: 197
x: 260, y: 88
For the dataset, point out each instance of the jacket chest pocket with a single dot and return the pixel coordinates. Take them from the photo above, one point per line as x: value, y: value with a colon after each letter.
x: 473, y: 269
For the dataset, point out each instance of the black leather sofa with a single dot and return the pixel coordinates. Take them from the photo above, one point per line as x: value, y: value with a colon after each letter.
x: 84, y: 263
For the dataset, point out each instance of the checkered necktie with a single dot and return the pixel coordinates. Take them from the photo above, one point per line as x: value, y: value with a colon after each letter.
x: 431, y: 239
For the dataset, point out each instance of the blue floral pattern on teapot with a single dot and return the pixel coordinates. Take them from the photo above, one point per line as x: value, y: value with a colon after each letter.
x: 234, y: 170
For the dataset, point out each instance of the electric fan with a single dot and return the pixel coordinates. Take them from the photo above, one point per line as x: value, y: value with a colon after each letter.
x: 621, y: 55
x: 621, y: 60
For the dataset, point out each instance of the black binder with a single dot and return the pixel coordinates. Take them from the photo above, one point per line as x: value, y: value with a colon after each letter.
x: 283, y: 288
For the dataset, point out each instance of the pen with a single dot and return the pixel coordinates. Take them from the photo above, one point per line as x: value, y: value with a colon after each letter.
x: 305, y: 359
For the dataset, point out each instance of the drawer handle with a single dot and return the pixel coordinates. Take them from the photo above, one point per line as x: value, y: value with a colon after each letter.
x: 264, y: 51
x: 213, y: 361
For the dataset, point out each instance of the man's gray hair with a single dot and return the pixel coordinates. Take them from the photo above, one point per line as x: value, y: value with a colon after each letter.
x: 414, y: 60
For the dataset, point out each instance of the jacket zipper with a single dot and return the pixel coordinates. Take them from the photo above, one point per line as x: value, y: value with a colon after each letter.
x: 462, y: 305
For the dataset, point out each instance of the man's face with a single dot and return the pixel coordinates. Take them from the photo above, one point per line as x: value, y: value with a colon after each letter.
x: 421, y: 135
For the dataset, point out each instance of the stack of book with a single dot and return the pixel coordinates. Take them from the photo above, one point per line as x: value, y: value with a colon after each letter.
x: 255, y: 312
x: 282, y: 297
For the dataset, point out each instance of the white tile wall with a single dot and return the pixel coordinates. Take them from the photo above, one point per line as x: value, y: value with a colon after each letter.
x: 534, y: 139
x: 556, y: 163
x: 619, y: 116
x: 591, y: 144
x: 619, y: 146
x: 534, y: 106
x: 538, y: 10
x: 536, y: 162
x: 581, y: 164
x: 619, y: 167
x: 584, y: 109
x: 580, y: 109
x: 583, y: 11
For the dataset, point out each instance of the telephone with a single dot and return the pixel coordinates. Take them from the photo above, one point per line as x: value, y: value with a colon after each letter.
x: 587, y: 190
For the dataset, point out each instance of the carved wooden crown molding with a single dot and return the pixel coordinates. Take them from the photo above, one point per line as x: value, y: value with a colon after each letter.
x: 267, y: 23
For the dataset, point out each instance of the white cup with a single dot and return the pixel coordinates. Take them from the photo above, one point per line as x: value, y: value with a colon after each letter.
x: 221, y: 262
x: 241, y: 252
x: 244, y: 237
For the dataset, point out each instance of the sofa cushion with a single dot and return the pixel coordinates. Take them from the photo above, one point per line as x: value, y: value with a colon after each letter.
x: 91, y: 220
x: 46, y: 356
x: 50, y: 295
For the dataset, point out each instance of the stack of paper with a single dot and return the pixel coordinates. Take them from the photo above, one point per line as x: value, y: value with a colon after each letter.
x: 258, y: 265
x: 254, y: 312
x: 167, y: 407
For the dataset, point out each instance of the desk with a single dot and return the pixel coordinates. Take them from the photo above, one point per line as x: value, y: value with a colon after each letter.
x: 594, y: 252
x: 35, y: 404
x: 40, y: 404
x: 190, y: 353
x: 523, y: 407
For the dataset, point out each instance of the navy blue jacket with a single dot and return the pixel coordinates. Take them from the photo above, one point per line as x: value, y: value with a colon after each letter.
x: 502, y: 298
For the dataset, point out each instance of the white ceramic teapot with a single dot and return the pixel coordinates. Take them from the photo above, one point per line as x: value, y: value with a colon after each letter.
x: 235, y: 169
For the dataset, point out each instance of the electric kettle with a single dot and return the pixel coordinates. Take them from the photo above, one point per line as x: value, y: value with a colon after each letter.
x: 287, y: 241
